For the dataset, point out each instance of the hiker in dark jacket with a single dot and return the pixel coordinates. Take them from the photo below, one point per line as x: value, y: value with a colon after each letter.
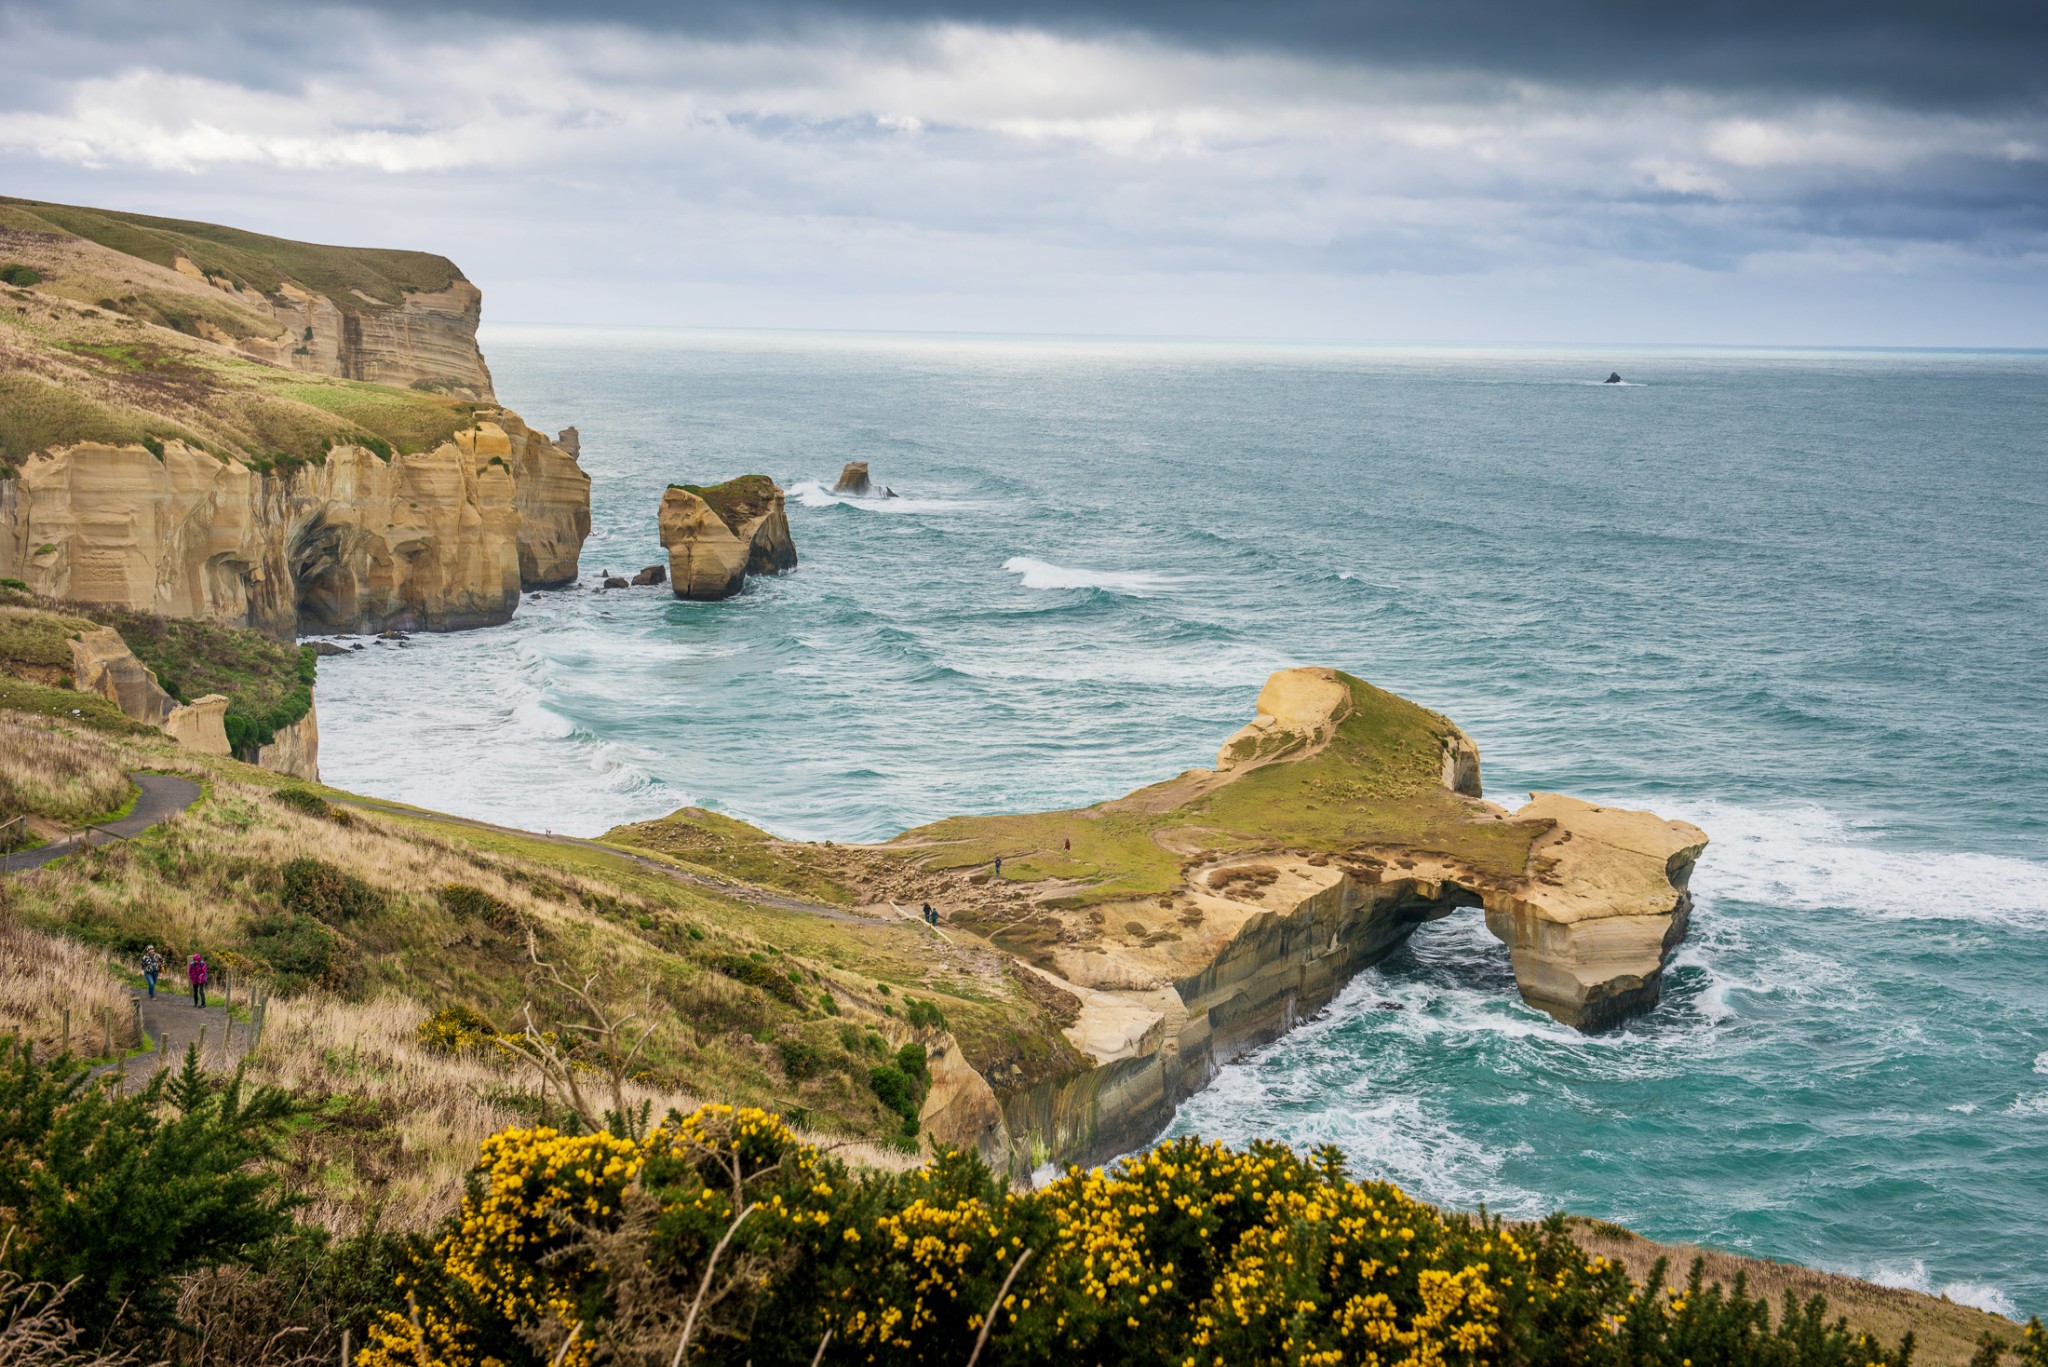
x: 152, y: 965
x: 195, y: 973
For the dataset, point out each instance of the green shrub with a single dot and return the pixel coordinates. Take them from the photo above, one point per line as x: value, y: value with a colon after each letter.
x: 466, y: 903
x: 20, y: 276
x: 304, y: 801
x: 800, y: 1060
x: 315, y: 888
x: 754, y: 973
x: 295, y: 950
x: 924, y: 1015
x: 122, y: 1194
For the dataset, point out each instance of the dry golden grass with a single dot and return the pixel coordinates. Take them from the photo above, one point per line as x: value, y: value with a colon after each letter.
x: 402, y: 1123
x: 64, y: 776
x: 43, y: 976
x: 1945, y: 1334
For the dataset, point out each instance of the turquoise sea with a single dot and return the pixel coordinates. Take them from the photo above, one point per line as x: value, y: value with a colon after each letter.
x: 1797, y: 598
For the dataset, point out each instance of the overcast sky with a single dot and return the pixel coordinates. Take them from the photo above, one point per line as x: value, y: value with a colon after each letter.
x: 1385, y: 170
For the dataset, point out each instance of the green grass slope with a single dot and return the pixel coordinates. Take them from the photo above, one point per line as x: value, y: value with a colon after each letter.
x: 251, y: 260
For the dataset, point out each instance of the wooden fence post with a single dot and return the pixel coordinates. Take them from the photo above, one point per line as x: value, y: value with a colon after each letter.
x: 67, y: 1029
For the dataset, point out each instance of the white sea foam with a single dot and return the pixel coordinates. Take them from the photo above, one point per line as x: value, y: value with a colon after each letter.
x: 1916, y: 1278
x: 813, y: 493
x: 1042, y: 574
x: 1809, y: 859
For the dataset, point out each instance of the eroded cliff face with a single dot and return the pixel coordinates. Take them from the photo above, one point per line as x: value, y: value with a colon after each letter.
x: 426, y: 340
x: 437, y: 540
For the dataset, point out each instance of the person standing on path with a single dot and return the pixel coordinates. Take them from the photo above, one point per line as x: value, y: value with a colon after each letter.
x: 195, y: 973
x: 152, y: 965
x: 999, y: 866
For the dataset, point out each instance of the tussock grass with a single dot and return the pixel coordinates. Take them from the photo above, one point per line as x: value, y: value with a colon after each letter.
x: 60, y: 776
x: 42, y: 976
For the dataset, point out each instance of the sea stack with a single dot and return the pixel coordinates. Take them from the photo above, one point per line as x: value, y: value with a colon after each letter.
x: 1613, y: 377
x: 854, y: 483
x: 718, y: 534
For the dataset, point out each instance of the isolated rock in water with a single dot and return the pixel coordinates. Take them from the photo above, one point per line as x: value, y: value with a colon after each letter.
x: 326, y: 648
x: 614, y: 582
x: 718, y: 534
x: 653, y: 574
x: 570, y: 440
x: 1613, y: 377
x: 854, y: 483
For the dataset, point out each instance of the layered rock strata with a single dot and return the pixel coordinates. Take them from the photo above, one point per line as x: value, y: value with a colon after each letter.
x: 717, y: 535
x: 440, y: 539
x: 427, y: 340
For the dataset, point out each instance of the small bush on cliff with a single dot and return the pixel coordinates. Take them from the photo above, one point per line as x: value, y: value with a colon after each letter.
x: 754, y: 973
x: 466, y: 903
x: 315, y: 888
x: 20, y: 276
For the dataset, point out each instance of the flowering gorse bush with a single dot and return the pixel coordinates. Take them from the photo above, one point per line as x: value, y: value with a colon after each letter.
x: 720, y: 1237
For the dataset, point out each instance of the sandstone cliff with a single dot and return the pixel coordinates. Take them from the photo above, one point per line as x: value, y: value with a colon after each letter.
x: 441, y: 539
x: 716, y: 535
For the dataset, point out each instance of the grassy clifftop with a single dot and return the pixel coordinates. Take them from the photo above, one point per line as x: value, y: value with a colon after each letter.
x: 70, y: 371
x: 253, y: 261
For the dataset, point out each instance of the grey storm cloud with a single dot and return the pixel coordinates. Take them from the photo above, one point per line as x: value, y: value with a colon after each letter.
x: 1961, y: 53
x: 1395, y: 167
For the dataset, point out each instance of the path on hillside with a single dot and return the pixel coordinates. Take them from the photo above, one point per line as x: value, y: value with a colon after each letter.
x: 161, y: 798
x: 173, y: 1024
x: 745, y: 892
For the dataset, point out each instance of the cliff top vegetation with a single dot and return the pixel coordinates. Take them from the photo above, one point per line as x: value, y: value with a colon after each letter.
x: 252, y: 261
x: 737, y: 501
x: 71, y: 371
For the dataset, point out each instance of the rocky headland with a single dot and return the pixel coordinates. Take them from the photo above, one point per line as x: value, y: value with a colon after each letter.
x: 262, y: 433
x: 1170, y: 931
x: 718, y: 534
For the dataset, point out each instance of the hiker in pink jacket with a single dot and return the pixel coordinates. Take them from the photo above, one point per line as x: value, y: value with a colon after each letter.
x: 195, y: 973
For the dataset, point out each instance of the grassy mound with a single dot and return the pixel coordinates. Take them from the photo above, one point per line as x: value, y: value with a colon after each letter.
x: 1376, y: 782
x: 732, y: 849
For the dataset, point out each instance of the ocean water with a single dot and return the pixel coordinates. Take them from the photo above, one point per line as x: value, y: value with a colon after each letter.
x: 1798, y: 598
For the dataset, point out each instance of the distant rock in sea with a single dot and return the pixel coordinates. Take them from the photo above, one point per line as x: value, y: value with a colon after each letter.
x: 854, y: 482
x: 1613, y: 377
x: 653, y: 574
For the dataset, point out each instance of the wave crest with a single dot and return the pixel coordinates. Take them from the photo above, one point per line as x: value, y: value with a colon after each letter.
x: 1043, y: 574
